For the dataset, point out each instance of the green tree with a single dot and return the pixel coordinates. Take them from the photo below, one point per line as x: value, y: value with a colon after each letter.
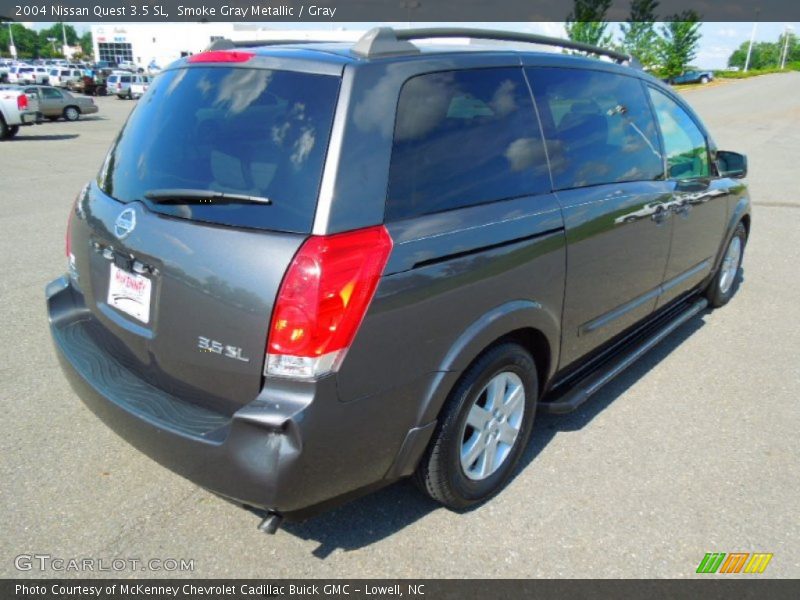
x: 792, y: 48
x: 586, y: 23
x: 86, y: 43
x: 54, y: 31
x: 639, y: 37
x: 25, y: 40
x: 764, y: 55
x: 678, y: 45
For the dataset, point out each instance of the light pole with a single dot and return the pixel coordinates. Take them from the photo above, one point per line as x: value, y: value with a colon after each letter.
x: 785, y: 45
x: 11, y: 47
x: 750, y: 47
x: 65, y: 47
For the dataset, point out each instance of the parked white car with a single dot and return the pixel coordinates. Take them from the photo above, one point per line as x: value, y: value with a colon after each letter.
x: 60, y: 76
x: 16, y: 72
x: 40, y: 74
x: 139, y: 86
x: 128, y: 66
x: 120, y: 82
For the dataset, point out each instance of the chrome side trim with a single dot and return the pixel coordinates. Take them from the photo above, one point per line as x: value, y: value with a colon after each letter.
x: 685, y: 275
x: 616, y: 313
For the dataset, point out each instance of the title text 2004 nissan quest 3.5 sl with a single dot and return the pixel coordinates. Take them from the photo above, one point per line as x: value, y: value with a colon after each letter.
x: 306, y: 271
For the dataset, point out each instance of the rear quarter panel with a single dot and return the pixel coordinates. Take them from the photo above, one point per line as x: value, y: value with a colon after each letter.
x: 455, y: 283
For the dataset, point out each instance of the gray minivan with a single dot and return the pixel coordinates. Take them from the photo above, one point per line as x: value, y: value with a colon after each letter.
x: 306, y: 271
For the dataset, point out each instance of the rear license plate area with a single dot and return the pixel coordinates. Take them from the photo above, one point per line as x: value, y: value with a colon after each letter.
x: 129, y: 293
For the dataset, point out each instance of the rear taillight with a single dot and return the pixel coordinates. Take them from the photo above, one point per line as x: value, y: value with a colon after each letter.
x: 22, y: 102
x: 322, y: 301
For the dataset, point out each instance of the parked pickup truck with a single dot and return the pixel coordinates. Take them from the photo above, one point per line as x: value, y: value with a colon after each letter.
x: 692, y: 77
x: 16, y: 109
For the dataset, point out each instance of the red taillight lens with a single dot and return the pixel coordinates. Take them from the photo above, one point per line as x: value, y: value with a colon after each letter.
x: 229, y: 56
x: 322, y: 301
x: 22, y: 102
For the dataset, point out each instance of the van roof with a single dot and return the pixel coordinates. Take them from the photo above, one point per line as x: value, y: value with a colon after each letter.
x: 383, y: 43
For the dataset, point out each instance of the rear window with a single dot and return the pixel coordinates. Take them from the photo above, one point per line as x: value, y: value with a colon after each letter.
x: 256, y: 132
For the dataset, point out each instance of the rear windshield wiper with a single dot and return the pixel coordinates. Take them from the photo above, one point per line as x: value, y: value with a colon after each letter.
x: 190, y: 196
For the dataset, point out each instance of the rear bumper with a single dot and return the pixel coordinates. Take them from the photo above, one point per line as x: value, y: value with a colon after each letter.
x: 28, y: 117
x: 295, y: 449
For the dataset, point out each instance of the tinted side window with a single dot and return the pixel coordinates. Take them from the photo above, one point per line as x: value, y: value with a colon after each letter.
x: 51, y: 93
x: 598, y: 126
x: 463, y: 138
x: 684, y: 143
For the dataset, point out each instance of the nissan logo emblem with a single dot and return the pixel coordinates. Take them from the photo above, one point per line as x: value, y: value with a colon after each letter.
x: 125, y: 223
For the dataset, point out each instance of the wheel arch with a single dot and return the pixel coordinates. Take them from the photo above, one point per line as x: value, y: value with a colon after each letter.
x: 525, y: 322
x: 740, y: 213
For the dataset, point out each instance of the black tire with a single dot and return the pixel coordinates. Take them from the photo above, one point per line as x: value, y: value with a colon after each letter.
x: 12, y: 131
x: 440, y: 473
x: 718, y: 293
x: 72, y: 113
x: 3, y: 129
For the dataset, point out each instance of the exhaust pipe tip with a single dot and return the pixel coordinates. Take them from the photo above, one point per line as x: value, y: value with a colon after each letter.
x: 271, y: 523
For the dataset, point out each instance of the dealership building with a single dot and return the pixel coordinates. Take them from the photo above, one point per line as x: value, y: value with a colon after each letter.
x: 160, y: 44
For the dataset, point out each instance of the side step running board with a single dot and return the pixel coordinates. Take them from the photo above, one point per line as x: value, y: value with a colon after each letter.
x: 583, y: 389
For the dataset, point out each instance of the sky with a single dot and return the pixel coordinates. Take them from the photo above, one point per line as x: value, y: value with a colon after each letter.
x: 718, y: 40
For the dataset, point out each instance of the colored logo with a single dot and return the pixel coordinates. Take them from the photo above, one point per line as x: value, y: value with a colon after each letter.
x: 735, y: 562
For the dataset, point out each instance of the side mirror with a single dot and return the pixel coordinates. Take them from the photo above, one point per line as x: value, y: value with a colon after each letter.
x: 731, y: 164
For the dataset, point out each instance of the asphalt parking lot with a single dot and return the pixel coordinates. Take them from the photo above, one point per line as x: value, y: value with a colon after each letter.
x: 695, y: 449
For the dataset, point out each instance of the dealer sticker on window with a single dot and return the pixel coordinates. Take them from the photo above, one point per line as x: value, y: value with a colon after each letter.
x: 129, y: 293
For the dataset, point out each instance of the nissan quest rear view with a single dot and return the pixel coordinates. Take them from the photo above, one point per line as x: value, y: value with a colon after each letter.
x: 305, y: 271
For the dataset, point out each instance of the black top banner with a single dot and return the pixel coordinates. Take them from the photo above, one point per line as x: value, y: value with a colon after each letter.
x: 121, y: 11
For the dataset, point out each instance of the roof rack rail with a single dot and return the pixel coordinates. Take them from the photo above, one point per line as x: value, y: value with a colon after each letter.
x: 227, y: 44
x: 382, y: 41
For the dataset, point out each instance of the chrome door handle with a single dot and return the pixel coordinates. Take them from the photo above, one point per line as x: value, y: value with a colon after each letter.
x: 682, y: 209
x: 660, y: 215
